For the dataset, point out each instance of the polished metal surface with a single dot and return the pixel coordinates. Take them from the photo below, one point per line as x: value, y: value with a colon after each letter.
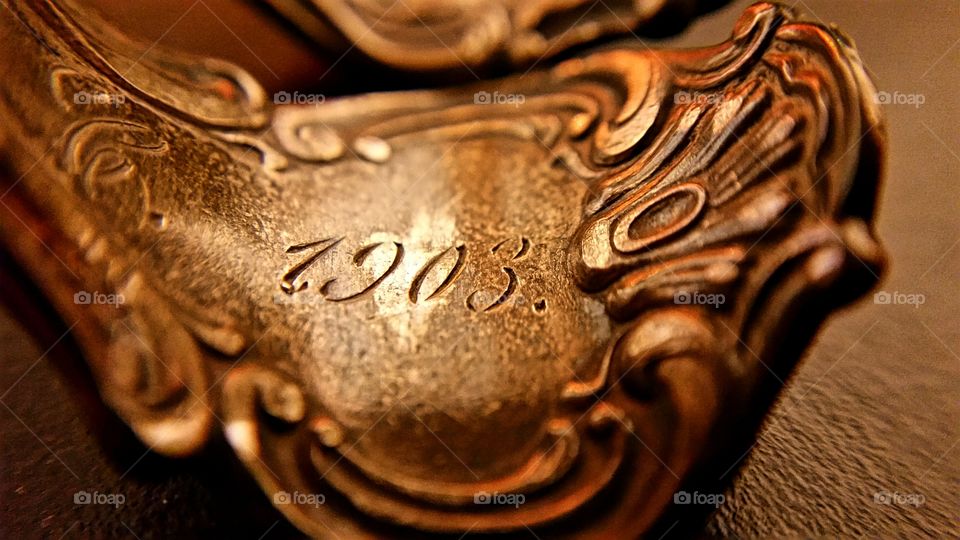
x: 536, y: 303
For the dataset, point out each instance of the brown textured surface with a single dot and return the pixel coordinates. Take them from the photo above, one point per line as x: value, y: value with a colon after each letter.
x: 67, y: 441
x: 873, y: 407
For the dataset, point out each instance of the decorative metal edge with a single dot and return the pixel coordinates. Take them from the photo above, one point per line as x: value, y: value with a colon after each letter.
x: 691, y: 355
x: 456, y: 35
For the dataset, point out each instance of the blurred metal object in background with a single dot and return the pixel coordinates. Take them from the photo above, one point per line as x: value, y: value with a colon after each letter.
x: 432, y: 35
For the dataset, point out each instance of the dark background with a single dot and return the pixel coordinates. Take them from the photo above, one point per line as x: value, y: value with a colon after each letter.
x: 873, y: 407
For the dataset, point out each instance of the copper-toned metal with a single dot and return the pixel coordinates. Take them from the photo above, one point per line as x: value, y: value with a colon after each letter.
x: 431, y: 35
x: 538, y: 303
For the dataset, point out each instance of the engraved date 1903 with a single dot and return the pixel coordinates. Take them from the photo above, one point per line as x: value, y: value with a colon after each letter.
x: 434, y: 277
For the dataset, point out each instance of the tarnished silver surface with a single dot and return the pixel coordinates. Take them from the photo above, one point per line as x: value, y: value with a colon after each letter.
x: 562, y: 291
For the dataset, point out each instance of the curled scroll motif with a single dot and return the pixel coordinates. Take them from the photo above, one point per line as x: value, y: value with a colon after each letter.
x: 741, y: 213
x: 103, y: 156
x: 152, y: 374
x: 211, y: 92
